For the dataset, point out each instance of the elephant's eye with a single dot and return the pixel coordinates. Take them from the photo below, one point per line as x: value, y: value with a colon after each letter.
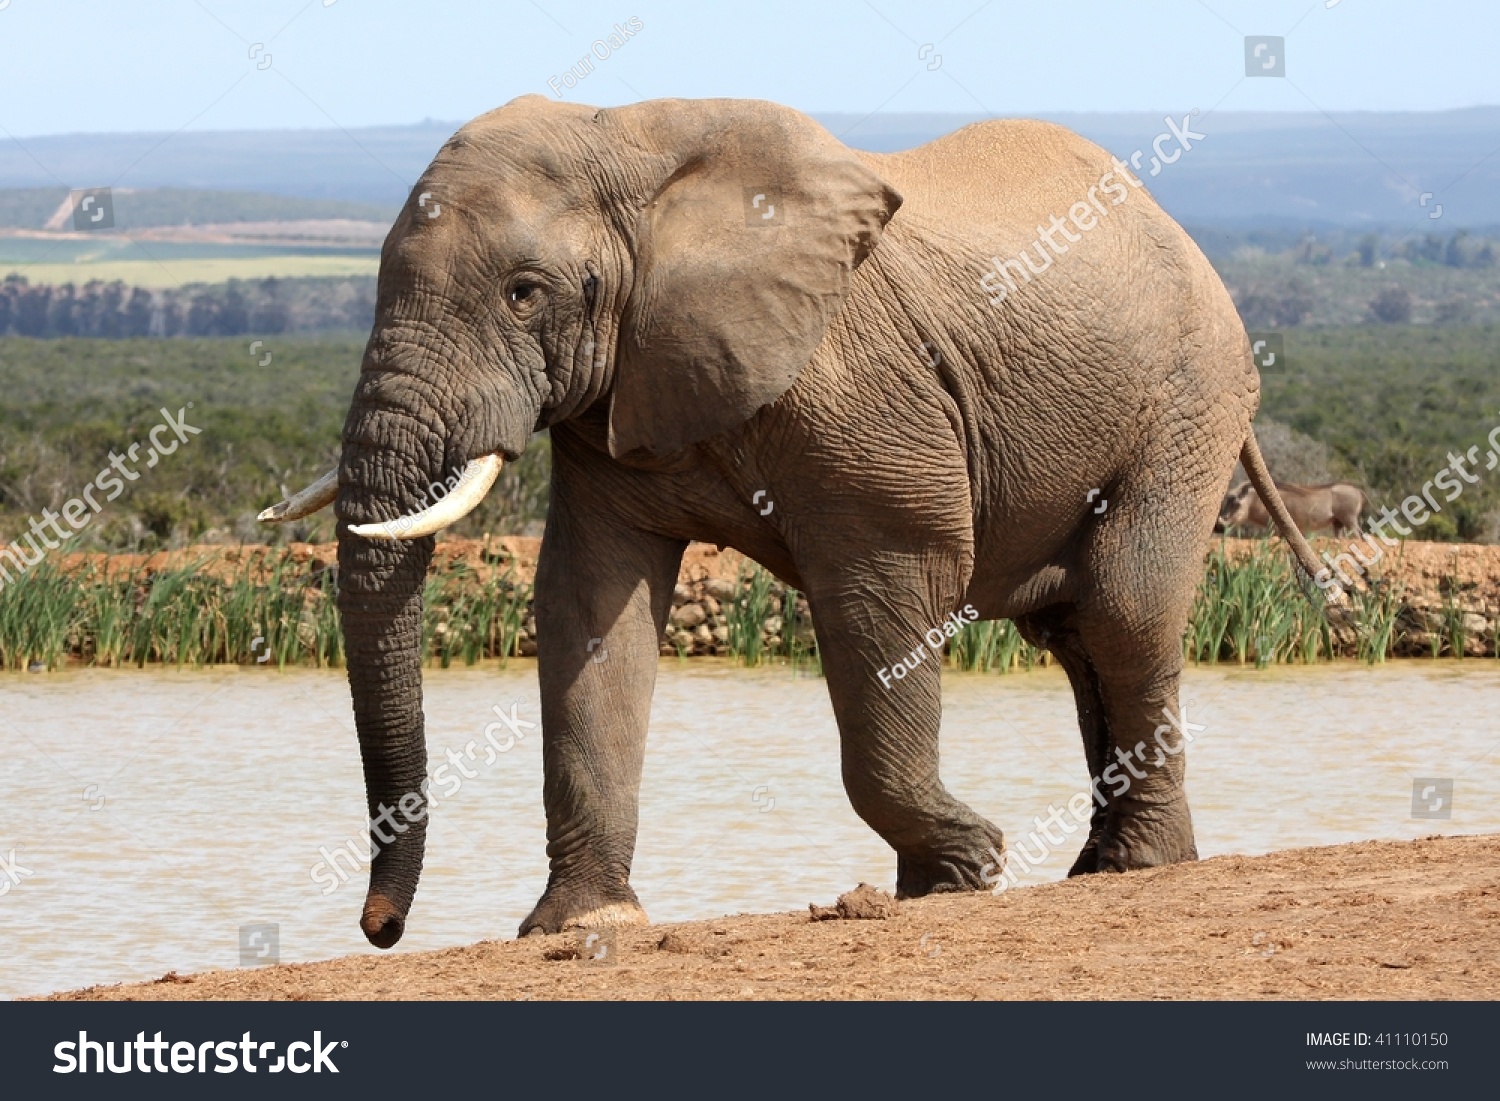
x: 524, y: 294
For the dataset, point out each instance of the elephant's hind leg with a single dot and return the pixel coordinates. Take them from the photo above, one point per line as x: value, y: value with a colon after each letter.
x: 1130, y: 628
x: 1054, y: 628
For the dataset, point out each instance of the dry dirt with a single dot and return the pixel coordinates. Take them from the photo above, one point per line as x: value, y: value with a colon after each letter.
x: 1373, y: 920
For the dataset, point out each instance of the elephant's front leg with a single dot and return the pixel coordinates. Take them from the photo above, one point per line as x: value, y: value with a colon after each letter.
x: 602, y: 597
x: 884, y: 671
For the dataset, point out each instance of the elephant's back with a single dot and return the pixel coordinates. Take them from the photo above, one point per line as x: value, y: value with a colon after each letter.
x: 1004, y: 173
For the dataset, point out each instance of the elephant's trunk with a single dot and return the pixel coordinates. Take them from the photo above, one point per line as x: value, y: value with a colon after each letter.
x: 380, y: 603
x: 380, y: 600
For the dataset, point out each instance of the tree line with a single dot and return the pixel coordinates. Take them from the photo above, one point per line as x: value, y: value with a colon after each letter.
x: 240, y: 307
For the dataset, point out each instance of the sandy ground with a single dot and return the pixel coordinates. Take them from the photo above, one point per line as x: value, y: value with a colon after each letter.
x: 1373, y: 920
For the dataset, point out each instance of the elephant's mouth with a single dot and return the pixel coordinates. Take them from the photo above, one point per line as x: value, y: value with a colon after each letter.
x: 462, y: 498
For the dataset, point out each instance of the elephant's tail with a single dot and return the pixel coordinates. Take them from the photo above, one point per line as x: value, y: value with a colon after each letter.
x: 1314, y: 572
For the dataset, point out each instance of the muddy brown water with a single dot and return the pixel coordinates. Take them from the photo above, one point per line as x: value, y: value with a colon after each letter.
x: 151, y: 815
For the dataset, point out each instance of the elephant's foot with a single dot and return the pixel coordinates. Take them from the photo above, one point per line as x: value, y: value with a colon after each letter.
x: 1144, y: 835
x: 973, y: 866
x: 563, y: 908
x: 1088, y: 858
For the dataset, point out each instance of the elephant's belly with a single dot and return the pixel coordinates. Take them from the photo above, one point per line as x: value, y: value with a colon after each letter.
x: 1023, y: 563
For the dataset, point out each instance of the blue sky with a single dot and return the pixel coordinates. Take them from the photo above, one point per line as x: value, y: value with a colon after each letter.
x: 71, y: 66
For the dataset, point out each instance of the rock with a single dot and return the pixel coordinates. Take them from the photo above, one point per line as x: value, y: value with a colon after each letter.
x: 720, y: 635
x: 720, y: 589
x: 688, y: 616
x: 1430, y: 620
x: 676, y: 943
x: 864, y: 903
x: 683, y: 641
x: 528, y: 648
x: 681, y: 595
x: 703, y: 636
x: 773, y: 643
x: 712, y: 606
x: 772, y: 625
x: 1477, y: 635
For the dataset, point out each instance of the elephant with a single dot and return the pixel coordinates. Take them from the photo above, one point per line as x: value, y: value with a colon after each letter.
x: 1334, y: 507
x: 715, y: 305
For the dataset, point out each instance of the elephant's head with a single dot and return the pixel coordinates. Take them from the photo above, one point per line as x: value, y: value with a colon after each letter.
x: 676, y: 260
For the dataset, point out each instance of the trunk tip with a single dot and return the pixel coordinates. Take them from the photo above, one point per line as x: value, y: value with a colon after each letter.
x: 382, y: 922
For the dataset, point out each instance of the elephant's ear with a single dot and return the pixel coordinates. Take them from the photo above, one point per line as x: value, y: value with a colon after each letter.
x: 743, y: 256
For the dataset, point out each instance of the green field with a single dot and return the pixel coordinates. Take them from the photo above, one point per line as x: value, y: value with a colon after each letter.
x: 70, y: 402
x: 1278, y: 293
x: 156, y: 264
x: 1392, y: 402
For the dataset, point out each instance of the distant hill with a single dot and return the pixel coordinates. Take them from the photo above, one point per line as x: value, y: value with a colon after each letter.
x: 1288, y: 170
x: 31, y: 208
x: 370, y: 165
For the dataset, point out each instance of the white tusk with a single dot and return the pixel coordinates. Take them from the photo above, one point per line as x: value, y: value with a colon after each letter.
x: 478, y: 476
x: 318, y: 495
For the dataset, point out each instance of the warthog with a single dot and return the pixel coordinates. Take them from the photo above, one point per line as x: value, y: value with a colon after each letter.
x: 1334, y: 507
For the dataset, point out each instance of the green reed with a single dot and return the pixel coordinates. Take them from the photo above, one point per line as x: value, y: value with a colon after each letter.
x: 991, y: 646
x: 761, y: 598
x: 1455, y: 632
x: 36, y: 618
x: 1252, y: 609
x: 1248, y: 609
x: 1377, y: 615
x: 797, y: 647
x: 470, y: 618
x: 745, y: 617
x: 272, y: 610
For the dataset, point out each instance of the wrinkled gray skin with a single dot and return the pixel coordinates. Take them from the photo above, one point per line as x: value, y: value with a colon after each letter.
x: 607, y: 274
x: 1334, y: 507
